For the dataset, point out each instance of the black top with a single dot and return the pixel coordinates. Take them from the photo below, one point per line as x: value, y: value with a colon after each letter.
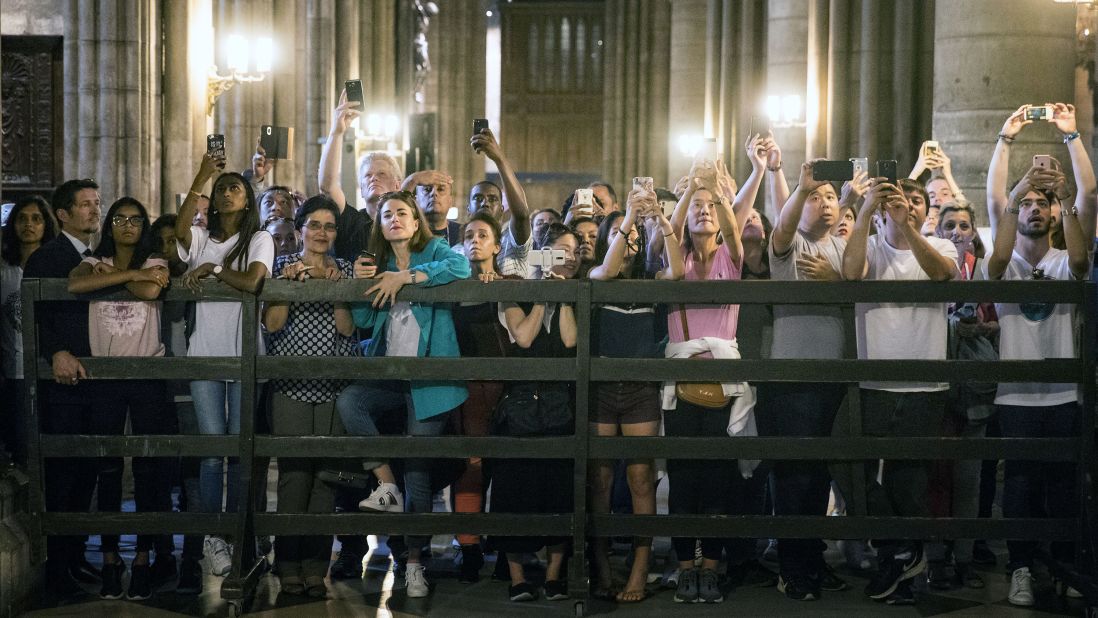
x: 62, y: 325
x: 627, y: 331
x: 546, y: 344
x: 352, y: 233
x: 479, y: 333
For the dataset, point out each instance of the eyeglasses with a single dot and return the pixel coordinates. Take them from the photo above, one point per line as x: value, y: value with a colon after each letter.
x: 316, y: 226
x: 134, y: 221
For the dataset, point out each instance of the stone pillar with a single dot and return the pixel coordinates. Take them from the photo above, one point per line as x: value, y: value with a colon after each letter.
x: 787, y: 65
x: 112, y: 111
x: 183, y: 109
x: 458, y: 69
x: 815, y: 100
x: 686, y: 109
x: 985, y: 68
x: 319, y: 86
x: 636, y: 83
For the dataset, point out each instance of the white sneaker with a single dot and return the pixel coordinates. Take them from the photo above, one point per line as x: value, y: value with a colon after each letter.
x: 386, y: 498
x: 219, y: 555
x: 415, y: 582
x: 1021, y: 588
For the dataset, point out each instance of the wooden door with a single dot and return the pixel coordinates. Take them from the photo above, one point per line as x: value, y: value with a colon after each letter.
x: 32, y: 115
x: 551, y: 90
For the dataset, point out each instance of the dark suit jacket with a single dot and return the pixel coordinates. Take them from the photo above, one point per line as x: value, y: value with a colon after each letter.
x: 61, y: 325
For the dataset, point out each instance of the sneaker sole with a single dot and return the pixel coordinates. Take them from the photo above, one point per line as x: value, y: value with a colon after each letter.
x: 781, y: 589
x: 908, y: 573
x: 679, y: 599
x: 523, y: 598
x: 556, y: 597
x: 138, y: 598
x: 385, y: 509
x: 108, y: 597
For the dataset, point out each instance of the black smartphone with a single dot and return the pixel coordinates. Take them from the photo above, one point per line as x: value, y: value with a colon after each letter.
x: 479, y: 124
x: 833, y: 170
x: 887, y: 170
x: 354, y: 91
x: 215, y: 145
x: 369, y: 256
x: 758, y: 125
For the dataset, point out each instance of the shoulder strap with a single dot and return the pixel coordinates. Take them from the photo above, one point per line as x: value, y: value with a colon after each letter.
x: 685, y: 327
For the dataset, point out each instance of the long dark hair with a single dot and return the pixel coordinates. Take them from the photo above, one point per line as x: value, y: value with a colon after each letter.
x: 249, y: 225
x: 146, y: 245
x: 12, y: 252
x: 633, y: 269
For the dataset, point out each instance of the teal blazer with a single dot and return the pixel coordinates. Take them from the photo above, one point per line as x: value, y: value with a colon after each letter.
x: 440, y: 265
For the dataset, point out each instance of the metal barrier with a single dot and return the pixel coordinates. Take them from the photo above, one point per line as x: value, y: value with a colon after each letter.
x: 581, y: 447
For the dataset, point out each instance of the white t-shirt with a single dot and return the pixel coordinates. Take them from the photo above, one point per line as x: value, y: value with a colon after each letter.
x: 218, y: 324
x: 901, y: 331
x: 11, y: 322
x: 402, y: 332
x: 1034, y: 331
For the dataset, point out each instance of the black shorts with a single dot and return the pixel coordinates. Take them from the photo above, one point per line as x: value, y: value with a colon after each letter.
x: 626, y: 403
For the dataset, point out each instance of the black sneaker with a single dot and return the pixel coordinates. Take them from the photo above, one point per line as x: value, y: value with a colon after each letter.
x: 903, y: 595
x: 190, y: 577
x: 687, y: 591
x: 112, y: 581
x: 709, y: 587
x: 163, y: 569
x: 829, y: 581
x: 798, y: 588
x: 140, y: 583
x: 903, y: 566
x: 472, y: 560
x: 348, y: 565
x: 752, y: 574
x: 523, y: 592
x: 556, y: 590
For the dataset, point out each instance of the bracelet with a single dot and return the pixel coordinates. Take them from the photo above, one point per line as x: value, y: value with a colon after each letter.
x: 1070, y: 211
x: 194, y: 193
x: 775, y: 168
x: 1006, y: 138
x: 1074, y: 135
x: 671, y: 233
x: 622, y: 232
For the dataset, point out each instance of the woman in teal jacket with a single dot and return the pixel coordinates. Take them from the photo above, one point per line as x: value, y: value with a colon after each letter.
x: 402, y: 241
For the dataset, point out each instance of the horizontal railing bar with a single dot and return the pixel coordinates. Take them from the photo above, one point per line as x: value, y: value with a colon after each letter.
x: 701, y: 292
x: 844, y: 370
x: 414, y: 446
x: 500, y: 524
x: 766, y: 526
x: 55, y: 445
x: 837, y: 448
x: 393, y: 368
x: 138, y: 523
x: 155, y: 367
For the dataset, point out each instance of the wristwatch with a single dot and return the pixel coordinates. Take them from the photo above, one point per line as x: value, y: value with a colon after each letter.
x: 415, y: 276
x: 217, y: 269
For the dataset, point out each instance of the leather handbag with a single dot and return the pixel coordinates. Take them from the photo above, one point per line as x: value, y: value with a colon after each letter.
x: 703, y: 394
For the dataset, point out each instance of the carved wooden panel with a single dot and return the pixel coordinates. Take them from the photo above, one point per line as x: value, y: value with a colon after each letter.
x: 31, y: 116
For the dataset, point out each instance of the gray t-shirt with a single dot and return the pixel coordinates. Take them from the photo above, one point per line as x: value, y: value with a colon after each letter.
x: 807, y: 331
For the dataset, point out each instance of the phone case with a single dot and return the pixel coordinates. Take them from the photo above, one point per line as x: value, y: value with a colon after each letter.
x: 833, y: 170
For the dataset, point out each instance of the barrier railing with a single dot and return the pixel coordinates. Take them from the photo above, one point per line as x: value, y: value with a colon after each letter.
x: 582, y: 446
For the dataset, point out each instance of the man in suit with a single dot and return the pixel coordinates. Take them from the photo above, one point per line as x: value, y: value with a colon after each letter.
x: 62, y: 337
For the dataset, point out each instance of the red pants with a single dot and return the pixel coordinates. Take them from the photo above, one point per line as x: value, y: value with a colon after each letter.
x: 473, y: 419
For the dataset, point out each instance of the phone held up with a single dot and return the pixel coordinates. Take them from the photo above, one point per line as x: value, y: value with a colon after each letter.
x: 479, y: 124
x: 1039, y: 112
x: 861, y: 164
x: 584, y: 202
x: 833, y: 170
x: 546, y: 259
x: 215, y: 145
x: 930, y: 148
x: 887, y: 169
x: 1047, y: 162
x: 354, y: 91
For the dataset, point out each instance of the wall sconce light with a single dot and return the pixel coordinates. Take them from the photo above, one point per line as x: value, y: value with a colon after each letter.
x: 785, y: 110
x: 690, y: 144
x: 238, y: 52
x: 381, y: 127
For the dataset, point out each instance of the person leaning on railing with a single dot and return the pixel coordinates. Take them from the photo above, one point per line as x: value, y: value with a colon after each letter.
x: 631, y: 408
x: 706, y: 219
x: 537, y: 330
x: 307, y: 407
x: 234, y: 250
x: 1021, y: 223
x: 127, y: 256
x: 899, y: 331
x: 407, y: 254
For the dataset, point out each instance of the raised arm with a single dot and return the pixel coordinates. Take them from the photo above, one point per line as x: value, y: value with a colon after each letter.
x: 569, y: 334
x: 726, y: 217
x: 514, y: 198
x: 615, y: 254
x: 678, y: 217
x: 1005, y: 234
x: 1086, y: 189
x: 331, y: 155
x: 937, y: 266
x: 777, y: 189
x: 744, y: 201
x: 425, y: 177
x: 206, y: 170
x: 855, y: 265
x: 785, y: 229
x: 999, y: 169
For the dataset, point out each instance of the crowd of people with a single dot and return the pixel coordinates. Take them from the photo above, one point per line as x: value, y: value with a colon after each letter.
x: 704, y: 228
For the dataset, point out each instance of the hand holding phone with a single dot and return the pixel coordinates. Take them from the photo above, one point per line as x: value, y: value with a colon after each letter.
x: 354, y: 92
x: 215, y: 145
x: 365, y: 265
x: 1039, y: 112
x: 886, y: 169
x: 833, y: 170
x: 479, y: 124
x: 584, y: 202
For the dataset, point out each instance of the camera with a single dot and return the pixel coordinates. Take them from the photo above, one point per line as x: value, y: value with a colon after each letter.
x: 584, y: 204
x: 546, y: 258
x: 887, y: 169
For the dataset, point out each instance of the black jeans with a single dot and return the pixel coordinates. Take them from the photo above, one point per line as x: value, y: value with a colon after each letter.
x: 699, y: 486
x: 902, y: 491
x: 1039, y: 488
x: 801, y: 487
x: 145, y: 401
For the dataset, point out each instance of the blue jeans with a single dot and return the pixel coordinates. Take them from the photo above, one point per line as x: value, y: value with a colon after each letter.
x: 363, y: 403
x: 217, y: 407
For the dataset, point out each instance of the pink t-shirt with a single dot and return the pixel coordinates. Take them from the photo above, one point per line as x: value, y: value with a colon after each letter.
x: 707, y: 320
x: 123, y: 327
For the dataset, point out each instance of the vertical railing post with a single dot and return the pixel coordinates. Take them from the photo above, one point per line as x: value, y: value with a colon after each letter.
x: 856, y: 501
x: 1084, y: 472
x: 30, y: 294
x: 578, y: 570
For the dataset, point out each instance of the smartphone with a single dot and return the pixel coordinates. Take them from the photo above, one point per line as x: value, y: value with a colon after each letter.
x: 585, y: 198
x: 368, y: 256
x: 861, y: 164
x: 644, y: 183
x: 833, y: 170
x: 479, y: 124
x: 760, y: 126
x: 930, y: 147
x: 1039, y: 112
x: 354, y: 91
x: 1047, y: 162
x: 546, y: 258
x: 887, y: 169
x: 215, y: 145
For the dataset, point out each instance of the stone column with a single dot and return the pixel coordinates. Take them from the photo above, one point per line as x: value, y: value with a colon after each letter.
x: 686, y: 73
x: 458, y: 69
x: 183, y: 119
x: 787, y: 65
x: 319, y: 85
x: 985, y: 68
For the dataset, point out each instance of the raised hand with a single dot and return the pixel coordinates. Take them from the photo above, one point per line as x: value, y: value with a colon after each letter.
x: 807, y: 183
x: 485, y: 143
x: 756, y: 151
x: 261, y: 165
x: 345, y: 113
x: 854, y: 189
x: 726, y: 184
x: 1063, y: 117
x: 1013, y: 125
x: 209, y: 166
